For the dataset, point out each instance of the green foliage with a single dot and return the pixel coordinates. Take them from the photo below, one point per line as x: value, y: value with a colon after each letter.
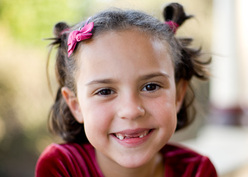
x: 30, y: 21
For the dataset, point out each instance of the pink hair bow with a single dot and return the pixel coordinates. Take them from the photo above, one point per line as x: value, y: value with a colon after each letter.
x: 173, y: 25
x: 79, y: 35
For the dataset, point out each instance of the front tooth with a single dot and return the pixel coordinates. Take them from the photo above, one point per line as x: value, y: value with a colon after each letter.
x: 119, y: 136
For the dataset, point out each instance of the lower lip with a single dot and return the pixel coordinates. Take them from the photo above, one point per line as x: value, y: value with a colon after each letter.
x: 133, y: 142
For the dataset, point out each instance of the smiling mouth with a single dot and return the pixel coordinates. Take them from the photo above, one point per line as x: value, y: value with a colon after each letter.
x: 132, y: 134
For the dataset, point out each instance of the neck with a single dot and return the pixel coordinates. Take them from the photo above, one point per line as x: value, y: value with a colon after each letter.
x: 154, y: 168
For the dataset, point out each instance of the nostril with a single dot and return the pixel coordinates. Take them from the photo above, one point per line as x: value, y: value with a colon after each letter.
x: 130, y: 106
x: 132, y: 112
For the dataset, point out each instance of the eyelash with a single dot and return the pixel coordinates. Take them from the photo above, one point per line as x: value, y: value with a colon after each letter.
x: 109, y: 91
x: 101, y: 92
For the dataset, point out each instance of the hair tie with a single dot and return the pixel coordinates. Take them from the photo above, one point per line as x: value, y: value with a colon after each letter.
x: 79, y: 35
x: 172, y: 25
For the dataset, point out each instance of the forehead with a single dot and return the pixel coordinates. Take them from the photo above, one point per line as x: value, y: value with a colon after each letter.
x: 127, y: 48
x: 130, y: 38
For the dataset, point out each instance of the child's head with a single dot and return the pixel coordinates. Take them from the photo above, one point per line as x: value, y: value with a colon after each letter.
x: 137, y: 41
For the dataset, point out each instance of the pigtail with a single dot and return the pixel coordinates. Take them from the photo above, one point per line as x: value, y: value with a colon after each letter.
x: 61, y: 121
x: 187, y: 63
x: 175, y: 12
x: 60, y: 68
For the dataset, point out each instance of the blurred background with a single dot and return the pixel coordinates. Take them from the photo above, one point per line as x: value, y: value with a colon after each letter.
x: 219, y: 27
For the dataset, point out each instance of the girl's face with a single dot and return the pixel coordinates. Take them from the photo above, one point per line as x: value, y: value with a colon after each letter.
x: 126, y: 97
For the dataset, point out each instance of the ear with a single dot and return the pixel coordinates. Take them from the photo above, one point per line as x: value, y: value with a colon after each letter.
x: 181, y: 87
x: 72, y: 102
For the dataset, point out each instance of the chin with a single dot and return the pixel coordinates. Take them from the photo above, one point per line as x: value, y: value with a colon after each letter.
x: 134, y: 162
x: 131, y: 165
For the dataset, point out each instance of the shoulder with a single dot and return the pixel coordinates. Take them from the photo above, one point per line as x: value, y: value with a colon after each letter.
x: 63, y: 150
x: 66, y: 160
x: 180, y: 161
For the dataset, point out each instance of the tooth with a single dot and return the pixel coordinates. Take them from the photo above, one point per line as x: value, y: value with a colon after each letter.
x: 119, y: 136
x: 144, y: 134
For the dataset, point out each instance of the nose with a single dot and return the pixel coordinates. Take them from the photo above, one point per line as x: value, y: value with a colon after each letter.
x: 130, y: 107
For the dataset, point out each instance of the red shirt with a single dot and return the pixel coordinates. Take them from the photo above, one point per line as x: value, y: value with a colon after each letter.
x: 74, y: 160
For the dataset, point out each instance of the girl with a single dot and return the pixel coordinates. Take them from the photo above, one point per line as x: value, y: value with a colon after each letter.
x: 123, y: 78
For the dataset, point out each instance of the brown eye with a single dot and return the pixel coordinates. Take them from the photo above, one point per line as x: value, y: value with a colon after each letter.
x: 105, y: 92
x: 151, y: 87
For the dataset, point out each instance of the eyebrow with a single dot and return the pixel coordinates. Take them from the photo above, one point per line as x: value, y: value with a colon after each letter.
x: 145, y: 77
x: 101, y: 81
x: 152, y: 75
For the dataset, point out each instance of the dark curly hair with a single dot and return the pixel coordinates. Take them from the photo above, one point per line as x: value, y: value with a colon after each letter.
x: 186, y: 61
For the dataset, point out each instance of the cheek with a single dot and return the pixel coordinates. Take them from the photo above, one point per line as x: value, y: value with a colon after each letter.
x: 167, y: 120
x: 164, y: 109
x: 97, y: 119
x: 167, y: 114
